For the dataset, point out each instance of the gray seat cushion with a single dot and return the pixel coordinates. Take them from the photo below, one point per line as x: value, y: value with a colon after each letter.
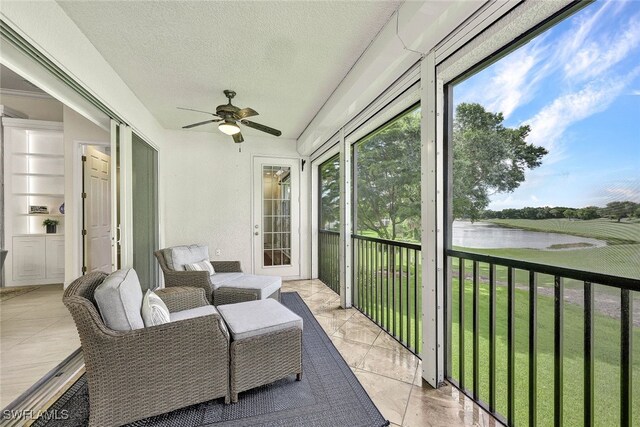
x: 119, y: 299
x: 220, y: 278
x: 177, y: 256
x: 255, y: 318
x: 205, y: 310
x: 266, y: 285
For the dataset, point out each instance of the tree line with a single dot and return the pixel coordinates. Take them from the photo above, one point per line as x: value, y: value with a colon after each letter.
x: 613, y: 210
x: 488, y: 158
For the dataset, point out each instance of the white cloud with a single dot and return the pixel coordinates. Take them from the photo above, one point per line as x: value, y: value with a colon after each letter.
x: 549, y: 124
x: 512, y: 85
x: 592, y: 58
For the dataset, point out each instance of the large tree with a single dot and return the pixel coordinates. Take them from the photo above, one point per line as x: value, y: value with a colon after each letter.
x: 330, y: 195
x: 488, y: 158
x: 388, y: 180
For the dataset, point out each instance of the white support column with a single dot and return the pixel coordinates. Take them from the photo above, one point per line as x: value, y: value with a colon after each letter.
x: 126, y: 197
x: 345, y: 222
x: 432, y: 238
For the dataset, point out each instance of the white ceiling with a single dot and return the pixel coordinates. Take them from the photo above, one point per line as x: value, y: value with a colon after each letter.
x: 283, y: 58
x: 13, y: 81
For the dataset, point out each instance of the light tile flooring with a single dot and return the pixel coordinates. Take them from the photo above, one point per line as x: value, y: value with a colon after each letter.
x: 36, y: 334
x: 389, y: 373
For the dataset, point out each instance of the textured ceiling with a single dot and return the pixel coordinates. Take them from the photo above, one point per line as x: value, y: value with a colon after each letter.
x: 282, y: 58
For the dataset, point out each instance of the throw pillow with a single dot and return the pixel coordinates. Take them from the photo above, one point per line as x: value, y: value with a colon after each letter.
x: 154, y: 310
x: 203, y: 265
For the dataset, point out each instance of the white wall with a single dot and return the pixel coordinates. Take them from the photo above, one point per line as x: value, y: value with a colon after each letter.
x: 208, y: 188
x: 77, y: 129
x: 35, y: 108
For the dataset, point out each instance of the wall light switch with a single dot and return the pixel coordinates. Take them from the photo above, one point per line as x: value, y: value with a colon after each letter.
x: 218, y: 252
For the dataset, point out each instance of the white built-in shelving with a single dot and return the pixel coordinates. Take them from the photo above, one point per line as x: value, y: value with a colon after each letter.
x: 34, y: 176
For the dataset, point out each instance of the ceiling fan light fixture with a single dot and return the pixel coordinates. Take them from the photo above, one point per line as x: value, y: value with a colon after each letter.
x: 229, y: 127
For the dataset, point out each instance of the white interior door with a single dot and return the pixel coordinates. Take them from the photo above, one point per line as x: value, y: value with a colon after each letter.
x: 276, y: 211
x: 97, y: 179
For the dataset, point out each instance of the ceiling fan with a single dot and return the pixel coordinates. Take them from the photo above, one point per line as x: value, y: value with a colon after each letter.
x: 230, y: 116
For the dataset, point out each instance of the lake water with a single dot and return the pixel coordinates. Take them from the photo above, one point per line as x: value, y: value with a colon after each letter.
x: 482, y: 235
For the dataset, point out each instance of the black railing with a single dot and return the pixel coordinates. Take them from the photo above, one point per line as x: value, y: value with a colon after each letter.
x: 387, y: 287
x: 517, y: 293
x: 329, y: 259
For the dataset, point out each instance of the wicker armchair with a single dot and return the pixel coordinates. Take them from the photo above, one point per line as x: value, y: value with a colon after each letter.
x: 200, y: 279
x: 150, y: 371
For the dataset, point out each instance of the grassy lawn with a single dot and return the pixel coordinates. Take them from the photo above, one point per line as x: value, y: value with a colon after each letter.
x: 605, y: 229
x: 607, y: 358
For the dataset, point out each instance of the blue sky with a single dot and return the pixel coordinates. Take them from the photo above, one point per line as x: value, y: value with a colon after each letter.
x: 578, y: 86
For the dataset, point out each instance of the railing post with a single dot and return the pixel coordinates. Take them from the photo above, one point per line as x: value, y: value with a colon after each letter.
x: 558, y: 351
x: 346, y: 275
x: 476, y: 330
x: 589, y: 383
x: 533, y: 348
x: 492, y: 337
x: 511, y: 346
x: 626, y: 358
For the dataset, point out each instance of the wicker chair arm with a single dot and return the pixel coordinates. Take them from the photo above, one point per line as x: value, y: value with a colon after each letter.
x: 180, y: 298
x: 227, y: 266
x: 191, y: 354
x: 195, y: 279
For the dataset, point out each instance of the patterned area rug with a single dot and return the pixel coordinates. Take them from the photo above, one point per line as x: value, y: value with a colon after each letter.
x: 8, y: 293
x: 328, y: 395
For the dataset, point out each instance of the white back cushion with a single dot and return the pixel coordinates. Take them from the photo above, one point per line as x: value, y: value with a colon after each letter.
x: 119, y: 299
x: 176, y: 257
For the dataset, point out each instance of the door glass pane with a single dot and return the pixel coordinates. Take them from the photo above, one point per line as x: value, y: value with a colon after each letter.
x: 276, y: 215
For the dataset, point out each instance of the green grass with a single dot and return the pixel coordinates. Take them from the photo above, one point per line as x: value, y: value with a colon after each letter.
x: 607, y: 358
x: 616, y: 260
x: 611, y: 231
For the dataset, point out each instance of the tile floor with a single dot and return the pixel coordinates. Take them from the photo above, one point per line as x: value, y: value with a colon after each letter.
x: 36, y: 334
x: 390, y: 373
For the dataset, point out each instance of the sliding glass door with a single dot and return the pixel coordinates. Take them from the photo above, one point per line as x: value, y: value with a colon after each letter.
x: 145, y: 211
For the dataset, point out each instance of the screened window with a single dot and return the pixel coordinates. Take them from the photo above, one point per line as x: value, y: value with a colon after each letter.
x: 387, y: 180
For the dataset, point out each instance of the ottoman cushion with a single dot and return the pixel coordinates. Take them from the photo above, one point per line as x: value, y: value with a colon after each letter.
x: 254, y: 318
x: 220, y: 278
x: 266, y: 285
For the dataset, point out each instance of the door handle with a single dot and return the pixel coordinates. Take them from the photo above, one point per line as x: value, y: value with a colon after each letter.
x: 256, y: 233
x: 118, y: 235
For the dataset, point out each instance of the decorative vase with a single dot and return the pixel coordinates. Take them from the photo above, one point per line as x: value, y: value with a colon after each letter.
x: 51, y: 229
x: 61, y: 209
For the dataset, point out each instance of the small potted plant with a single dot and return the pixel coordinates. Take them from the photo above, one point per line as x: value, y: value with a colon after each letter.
x: 51, y: 225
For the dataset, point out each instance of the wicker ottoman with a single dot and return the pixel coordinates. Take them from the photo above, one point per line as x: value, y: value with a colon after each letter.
x: 266, y: 343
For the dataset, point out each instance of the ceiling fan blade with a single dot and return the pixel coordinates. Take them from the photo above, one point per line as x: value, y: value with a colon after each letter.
x: 260, y: 127
x: 246, y: 112
x: 237, y: 138
x: 201, y: 123
x: 199, y: 111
